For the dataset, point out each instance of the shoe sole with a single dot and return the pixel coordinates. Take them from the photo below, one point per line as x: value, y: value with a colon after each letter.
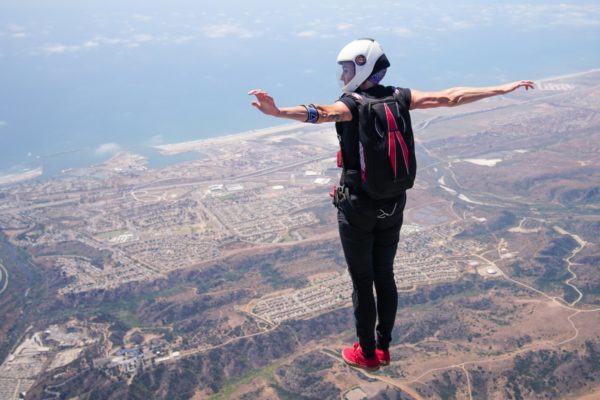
x: 350, y: 363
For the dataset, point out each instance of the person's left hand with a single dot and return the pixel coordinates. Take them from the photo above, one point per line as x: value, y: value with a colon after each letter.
x: 264, y: 102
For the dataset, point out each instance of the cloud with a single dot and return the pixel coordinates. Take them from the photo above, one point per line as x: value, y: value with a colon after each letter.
x: 59, y: 48
x: 141, y: 17
x: 107, y: 149
x: 15, y: 28
x: 181, y: 39
x: 156, y: 140
x: 402, y: 32
x: 324, y: 28
x: 345, y: 26
x: 137, y: 40
x: 228, y: 29
x: 576, y: 15
x: 15, y: 32
x: 460, y: 16
x: 307, y: 34
x: 3, y: 123
x: 97, y: 41
x: 90, y: 44
x: 535, y: 16
x: 106, y: 40
x: 449, y: 23
x: 141, y: 38
x: 130, y: 41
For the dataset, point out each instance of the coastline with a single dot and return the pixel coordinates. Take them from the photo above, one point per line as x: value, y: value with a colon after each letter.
x: 188, y: 150
x: 170, y: 149
x: 23, y: 176
x: 570, y: 75
x: 197, y: 145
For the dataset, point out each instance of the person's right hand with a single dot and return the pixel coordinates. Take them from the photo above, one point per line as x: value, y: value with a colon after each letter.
x: 264, y: 102
x: 509, y: 87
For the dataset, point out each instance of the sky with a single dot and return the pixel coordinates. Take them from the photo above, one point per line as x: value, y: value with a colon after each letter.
x: 107, y: 75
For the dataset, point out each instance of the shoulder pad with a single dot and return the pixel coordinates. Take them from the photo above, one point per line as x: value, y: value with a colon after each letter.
x: 354, y: 95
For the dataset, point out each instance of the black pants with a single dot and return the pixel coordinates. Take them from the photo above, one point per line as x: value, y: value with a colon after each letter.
x: 369, y: 232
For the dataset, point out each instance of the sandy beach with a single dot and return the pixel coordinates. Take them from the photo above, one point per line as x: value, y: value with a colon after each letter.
x: 201, y: 144
x: 14, y: 178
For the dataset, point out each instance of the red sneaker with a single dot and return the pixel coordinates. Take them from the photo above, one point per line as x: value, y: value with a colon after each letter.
x: 354, y: 356
x: 383, y: 356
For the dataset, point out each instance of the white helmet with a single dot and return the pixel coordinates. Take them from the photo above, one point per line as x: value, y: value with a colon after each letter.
x: 368, y: 58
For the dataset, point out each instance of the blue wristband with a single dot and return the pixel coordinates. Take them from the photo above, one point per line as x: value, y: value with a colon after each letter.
x: 313, y: 114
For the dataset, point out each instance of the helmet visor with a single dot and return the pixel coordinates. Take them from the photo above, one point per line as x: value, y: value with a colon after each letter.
x: 345, y: 72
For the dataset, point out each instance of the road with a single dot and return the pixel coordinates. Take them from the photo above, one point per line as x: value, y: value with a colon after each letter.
x: 405, y: 384
x: 581, y: 244
x: 382, y: 378
x: 168, y: 183
x: 557, y: 300
x: 3, y: 278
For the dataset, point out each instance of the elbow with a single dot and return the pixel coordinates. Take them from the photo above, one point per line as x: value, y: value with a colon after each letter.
x: 449, y: 101
x: 455, y: 101
x: 453, y: 98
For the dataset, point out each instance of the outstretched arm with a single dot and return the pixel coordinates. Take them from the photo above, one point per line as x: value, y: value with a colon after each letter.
x: 462, y: 95
x: 336, y: 112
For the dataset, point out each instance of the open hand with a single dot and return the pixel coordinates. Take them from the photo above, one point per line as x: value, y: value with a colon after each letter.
x: 515, y: 85
x: 264, y: 102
